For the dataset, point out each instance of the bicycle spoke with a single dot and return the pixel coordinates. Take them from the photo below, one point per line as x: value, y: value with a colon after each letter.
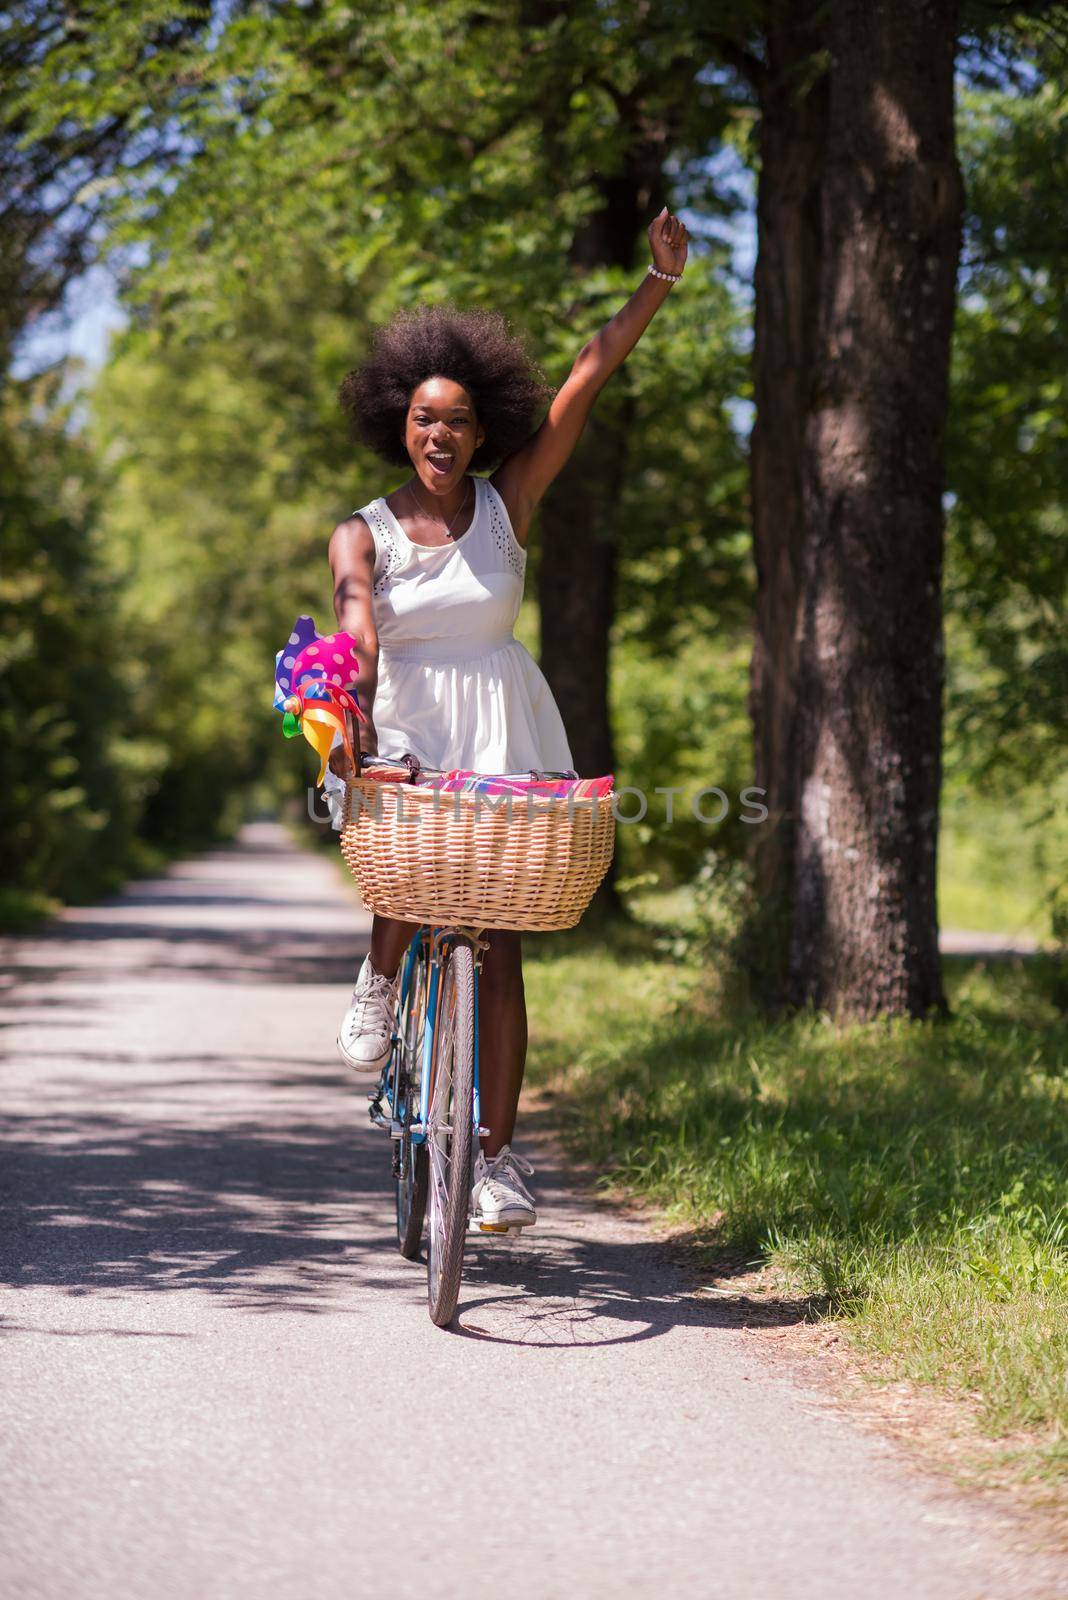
x: 437, y: 1134
x: 411, y: 1161
x: 449, y: 1131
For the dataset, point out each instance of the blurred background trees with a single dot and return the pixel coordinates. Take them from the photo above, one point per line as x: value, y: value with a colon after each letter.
x: 269, y: 182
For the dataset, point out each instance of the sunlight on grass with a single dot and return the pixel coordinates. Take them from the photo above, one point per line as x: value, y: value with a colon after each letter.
x: 913, y: 1177
x: 997, y: 867
x: 983, y: 887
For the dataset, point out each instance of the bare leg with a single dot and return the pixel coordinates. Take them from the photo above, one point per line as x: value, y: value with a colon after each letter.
x: 502, y: 1036
x: 502, y: 1019
x: 389, y: 940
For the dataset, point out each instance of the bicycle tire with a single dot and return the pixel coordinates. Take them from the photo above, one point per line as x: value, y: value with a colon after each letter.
x: 412, y: 1167
x: 450, y: 1132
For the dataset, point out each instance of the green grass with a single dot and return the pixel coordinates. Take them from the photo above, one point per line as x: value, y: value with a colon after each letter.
x: 987, y: 891
x: 22, y: 910
x: 1001, y: 861
x: 911, y: 1179
x: 986, y: 884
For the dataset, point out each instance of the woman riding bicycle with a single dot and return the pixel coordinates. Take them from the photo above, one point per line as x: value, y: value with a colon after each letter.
x: 429, y: 582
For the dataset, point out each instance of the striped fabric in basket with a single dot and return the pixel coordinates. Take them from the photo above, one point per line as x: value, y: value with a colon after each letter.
x: 463, y: 781
x: 459, y: 782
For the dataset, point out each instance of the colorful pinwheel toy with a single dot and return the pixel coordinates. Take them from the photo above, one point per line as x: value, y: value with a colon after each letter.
x: 313, y: 674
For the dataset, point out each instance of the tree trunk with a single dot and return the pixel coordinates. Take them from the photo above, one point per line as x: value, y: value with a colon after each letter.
x: 865, y: 934
x: 578, y: 528
x: 577, y: 586
x: 577, y: 595
x: 793, y: 106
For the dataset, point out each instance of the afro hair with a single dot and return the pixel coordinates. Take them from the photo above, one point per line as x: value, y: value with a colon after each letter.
x: 473, y: 348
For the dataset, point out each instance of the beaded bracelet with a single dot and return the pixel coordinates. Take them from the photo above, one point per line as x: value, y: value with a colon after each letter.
x: 669, y: 277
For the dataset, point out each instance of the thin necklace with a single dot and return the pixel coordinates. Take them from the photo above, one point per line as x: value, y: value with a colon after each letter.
x: 448, y: 526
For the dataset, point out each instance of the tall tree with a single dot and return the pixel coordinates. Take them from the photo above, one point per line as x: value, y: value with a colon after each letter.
x: 788, y: 74
x: 859, y: 209
x: 865, y: 935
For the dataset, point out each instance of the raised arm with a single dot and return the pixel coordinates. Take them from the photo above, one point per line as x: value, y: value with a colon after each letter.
x: 524, y: 477
x: 352, y: 562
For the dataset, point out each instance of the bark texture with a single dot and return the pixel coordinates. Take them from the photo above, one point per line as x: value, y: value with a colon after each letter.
x: 865, y: 936
x: 577, y: 595
x: 793, y: 97
x: 577, y: 580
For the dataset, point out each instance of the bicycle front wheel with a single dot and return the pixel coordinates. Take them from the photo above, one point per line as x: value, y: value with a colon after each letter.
x: 410, y: 1159
x: 450, y: 1131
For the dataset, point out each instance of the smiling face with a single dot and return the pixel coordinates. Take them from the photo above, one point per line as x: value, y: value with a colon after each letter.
x: 441, y: 433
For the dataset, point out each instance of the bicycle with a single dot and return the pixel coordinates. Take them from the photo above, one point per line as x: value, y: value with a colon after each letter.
x: 428, y: 1100
x: 427, y: 1095
x: 539, y: 874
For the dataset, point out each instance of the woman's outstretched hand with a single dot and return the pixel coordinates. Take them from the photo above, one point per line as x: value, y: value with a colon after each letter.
x: 668, y: 241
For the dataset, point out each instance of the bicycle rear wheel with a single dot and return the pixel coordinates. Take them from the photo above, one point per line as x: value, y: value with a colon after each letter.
x: 450, y: 1131
x: 411, y: 1165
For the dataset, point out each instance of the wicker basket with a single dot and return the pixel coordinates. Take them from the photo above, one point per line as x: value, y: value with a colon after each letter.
x: 470, y: 860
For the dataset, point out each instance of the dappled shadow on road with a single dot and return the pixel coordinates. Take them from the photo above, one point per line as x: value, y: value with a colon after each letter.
x: 256, y: 911
x: 92, y: 951
x: 574, y: 1292
x: 586, y: 1278
x: 262, y: 1219
x: 157, y: 1154
x: 203, y: 1071
x: 7, y: 1326
x: 99, y: 1205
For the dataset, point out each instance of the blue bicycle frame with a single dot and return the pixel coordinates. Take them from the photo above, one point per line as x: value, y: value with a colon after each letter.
x: 438, y: 938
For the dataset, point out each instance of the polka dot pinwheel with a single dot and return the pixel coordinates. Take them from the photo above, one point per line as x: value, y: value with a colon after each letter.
x: 313, y: 676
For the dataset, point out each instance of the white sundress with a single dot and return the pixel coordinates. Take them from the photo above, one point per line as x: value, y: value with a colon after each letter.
x: 456, y: 688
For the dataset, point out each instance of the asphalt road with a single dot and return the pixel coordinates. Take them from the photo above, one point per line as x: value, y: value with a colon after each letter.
x: 219, y: 1378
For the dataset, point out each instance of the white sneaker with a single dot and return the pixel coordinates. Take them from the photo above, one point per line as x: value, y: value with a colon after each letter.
x: 366, y: 1033
x: 498, y: 1195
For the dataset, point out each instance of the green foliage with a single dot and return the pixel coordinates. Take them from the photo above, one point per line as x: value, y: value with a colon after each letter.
x: 420, y: 149
x: 680, y: 720
x: 1007, y: 558
x: 70, y: 123
x: 226, y: 475
x: 66, y: 810
x: 120, y: 685
x: 1003, y: 857
x: 686, y: 568
x: 292, y: 175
